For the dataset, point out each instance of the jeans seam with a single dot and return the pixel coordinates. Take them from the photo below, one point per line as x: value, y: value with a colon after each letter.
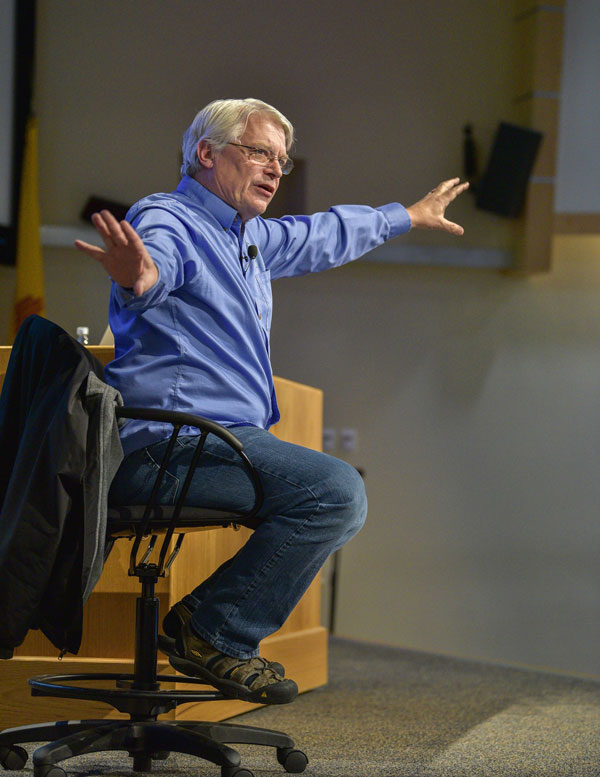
x: 269, y: 563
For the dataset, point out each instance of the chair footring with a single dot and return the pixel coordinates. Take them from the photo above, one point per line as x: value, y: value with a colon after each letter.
x: 124, y: 697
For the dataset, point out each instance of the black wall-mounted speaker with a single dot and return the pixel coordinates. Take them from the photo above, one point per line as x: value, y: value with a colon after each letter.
x: 503, y: 185
x: 95, y: 204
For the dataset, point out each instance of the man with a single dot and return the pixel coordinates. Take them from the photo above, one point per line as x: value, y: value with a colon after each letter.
x: 191, y: 310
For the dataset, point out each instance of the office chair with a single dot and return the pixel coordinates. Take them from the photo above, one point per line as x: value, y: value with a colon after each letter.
x: 139, y: 694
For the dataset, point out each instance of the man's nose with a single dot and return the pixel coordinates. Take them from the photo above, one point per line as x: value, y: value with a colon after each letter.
x: 274, y: 168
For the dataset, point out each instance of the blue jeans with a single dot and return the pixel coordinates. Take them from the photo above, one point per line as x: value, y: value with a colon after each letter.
x: 314, y: 503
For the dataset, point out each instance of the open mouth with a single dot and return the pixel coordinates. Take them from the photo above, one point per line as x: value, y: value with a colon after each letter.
x: 269, y: 190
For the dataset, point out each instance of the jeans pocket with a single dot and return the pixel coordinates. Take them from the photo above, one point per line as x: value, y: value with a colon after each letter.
x: 169, y: 484
x: 136, y: 476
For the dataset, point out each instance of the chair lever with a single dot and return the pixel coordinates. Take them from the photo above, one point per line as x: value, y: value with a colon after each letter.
x: 149, y: 550
x: 174, y: 552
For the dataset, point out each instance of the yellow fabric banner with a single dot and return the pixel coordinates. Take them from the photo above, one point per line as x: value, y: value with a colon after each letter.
x: 29, y: 287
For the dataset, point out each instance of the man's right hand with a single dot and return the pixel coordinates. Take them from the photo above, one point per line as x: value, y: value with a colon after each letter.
x: 430, y: 212
x: 125, y: 258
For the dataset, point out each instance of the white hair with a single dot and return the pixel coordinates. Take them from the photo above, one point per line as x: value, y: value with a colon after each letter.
x: 224, y: 121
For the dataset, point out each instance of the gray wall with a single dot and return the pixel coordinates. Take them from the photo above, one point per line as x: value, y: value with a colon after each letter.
x: 475, y: 394
x: 578, y: 164
x: 476, y: 399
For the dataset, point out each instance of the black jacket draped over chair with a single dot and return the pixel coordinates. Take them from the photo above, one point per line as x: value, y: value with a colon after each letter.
x: 50, y: 559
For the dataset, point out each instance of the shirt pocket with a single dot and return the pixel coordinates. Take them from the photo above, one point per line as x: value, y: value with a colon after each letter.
x: 264, y: 299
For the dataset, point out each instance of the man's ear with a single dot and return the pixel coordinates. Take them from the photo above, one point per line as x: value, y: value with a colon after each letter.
x: 205, y: 153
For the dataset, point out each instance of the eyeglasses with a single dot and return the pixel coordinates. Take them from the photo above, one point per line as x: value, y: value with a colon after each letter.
x: 261, y: 156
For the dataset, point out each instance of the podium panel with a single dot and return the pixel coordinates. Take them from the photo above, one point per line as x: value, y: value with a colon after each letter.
x: 109, y: 615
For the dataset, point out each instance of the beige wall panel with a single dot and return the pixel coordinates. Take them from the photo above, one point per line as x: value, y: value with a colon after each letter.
x: 539, y: 50
x: 530, y: 6
x: 301, y: 409
x: 577, y: 223
x: 541, y: 113
x: 537, y: 225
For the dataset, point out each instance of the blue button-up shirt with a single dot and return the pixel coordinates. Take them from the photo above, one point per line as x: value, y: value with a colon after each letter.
x: 198, y: 340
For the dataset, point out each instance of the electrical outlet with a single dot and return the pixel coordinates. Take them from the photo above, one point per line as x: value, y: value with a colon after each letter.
x: 348, y: 439
x: 329, y: 439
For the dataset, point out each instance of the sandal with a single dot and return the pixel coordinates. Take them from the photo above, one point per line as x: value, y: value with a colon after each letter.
x: 250, y: 679
x: 175, y: 620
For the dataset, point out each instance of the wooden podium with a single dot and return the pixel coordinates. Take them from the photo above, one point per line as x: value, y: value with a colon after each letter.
x: 109, y: 615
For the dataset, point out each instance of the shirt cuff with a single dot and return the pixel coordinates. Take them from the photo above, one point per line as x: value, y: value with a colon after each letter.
x: 127, y: 299
x: 123, y: 295
x: 397, y: 217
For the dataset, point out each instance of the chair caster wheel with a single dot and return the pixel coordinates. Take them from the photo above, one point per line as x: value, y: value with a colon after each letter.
x: 235, y: 771
x: 48, y: 770
x: 294, y: 761
x: 13, y: 758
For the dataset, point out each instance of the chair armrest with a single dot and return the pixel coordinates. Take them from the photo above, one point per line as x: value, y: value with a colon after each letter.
x: 206, y: 427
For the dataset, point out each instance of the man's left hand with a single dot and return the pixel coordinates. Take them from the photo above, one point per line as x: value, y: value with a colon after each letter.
x: 429, y: 213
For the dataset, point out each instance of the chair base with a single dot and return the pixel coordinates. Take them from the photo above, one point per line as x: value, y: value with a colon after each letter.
x: 140, y: 696
x: 144, y: 741
x: 143, y: 737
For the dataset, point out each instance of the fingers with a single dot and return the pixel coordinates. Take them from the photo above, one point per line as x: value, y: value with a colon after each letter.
x: 454, y: 229
x: 446, y: 193
x: 91, y: 250
x: 456, y: 190
x: 111, y: 232
x: 444, y: 186
x: 131, y: 235
x: 102, y: 229
x: 109, y: 229
x: 450, y: 189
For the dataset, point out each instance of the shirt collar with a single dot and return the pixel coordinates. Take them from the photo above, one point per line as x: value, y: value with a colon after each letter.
x: 224, y: 213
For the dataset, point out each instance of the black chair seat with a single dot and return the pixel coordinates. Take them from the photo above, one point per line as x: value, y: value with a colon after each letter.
x: 127, y: 519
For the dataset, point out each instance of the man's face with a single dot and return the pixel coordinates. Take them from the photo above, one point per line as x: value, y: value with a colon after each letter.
x: 245, y: 185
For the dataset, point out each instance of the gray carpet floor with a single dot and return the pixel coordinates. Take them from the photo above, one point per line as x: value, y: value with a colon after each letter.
x: 388, y: 712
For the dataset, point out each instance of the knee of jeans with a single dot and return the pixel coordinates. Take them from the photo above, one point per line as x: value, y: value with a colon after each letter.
x: 345, y: 488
